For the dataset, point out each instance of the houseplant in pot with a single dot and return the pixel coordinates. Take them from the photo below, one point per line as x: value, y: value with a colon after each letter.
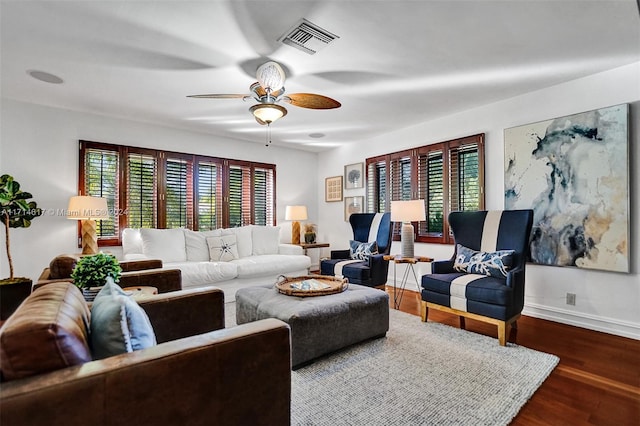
x: 309, y: 233
x: 91, y: 272
x: 16, y: 211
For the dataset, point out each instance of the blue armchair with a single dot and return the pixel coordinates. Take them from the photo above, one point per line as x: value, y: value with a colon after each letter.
x: 356, y: 264
x: 484, y: 280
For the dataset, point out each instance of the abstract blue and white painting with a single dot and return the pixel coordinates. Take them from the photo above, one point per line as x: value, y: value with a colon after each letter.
x: 573, y: 172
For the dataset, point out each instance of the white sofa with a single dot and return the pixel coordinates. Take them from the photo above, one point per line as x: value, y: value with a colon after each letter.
x: 227, y: 258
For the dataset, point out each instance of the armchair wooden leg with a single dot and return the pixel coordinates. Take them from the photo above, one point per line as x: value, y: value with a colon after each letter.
x: 502, y: 332
x: 424, y: 311
x: 463, y: 324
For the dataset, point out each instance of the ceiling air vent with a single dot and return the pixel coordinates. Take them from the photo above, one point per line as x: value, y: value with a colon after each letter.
x: 307, y: 37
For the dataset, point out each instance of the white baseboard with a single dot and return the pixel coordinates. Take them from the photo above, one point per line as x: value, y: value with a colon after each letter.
x: 579, y: 319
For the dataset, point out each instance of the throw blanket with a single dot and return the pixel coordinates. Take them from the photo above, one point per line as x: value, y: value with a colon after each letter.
x: 375, y: 225
x: 337, y: 268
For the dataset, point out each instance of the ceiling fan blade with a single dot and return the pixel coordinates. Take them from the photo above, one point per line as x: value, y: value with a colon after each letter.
x: 311, y: 100
x: 218, y: 96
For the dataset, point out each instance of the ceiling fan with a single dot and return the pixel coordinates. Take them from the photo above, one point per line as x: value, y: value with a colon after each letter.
x: 269, y: 90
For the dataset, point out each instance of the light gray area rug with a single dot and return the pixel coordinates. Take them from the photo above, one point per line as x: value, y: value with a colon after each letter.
x: 420, y: 374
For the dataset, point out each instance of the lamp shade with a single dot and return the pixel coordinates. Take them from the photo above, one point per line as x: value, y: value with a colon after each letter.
x: 296, y: 213
x: 84, y: 207
x: 408, y: 211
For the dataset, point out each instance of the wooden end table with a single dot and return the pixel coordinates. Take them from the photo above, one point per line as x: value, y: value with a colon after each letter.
x: 141, y: 292
x: 396, y: 259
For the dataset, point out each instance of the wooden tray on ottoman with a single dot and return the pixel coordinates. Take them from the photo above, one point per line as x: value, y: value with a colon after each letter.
x: 336, y: 285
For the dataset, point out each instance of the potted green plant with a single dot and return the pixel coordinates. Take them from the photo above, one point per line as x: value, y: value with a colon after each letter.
x: 310, y: 233
x: 91, y: 272
x: 16, y: 211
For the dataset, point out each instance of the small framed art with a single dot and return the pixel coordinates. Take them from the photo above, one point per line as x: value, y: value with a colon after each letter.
x: 333, y: 189
x: 353, y: 205
x: 354, y: 176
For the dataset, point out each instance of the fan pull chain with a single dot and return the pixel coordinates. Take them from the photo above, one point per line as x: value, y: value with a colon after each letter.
x: 268, y: 136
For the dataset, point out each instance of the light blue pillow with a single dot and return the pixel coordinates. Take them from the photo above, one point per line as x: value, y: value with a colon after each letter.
x: 494, y: 264
x: 118, y: 324
x: 362, y: 251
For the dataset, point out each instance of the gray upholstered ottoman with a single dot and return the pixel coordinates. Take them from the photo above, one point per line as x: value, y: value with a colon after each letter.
x: 319, y: 324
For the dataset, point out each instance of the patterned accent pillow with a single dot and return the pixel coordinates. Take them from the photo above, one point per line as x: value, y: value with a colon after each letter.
x: 362, y: 251
x: 494, y: 264
x: 223, y: 248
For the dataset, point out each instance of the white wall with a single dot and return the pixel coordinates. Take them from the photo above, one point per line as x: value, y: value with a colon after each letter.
x: 607, y: 302
x: 39, y: 147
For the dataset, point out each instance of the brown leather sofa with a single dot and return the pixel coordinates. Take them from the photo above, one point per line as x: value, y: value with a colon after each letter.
x: 134, y: 273
x: 199, y: 373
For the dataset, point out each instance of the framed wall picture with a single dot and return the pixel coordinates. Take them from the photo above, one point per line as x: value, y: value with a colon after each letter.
x: 353, y: 205
x: 354, y: 176
x: 573, y: 171
x: 333, y: 189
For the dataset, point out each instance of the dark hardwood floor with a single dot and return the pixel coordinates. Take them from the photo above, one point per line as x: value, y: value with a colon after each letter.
x: 597, y: 381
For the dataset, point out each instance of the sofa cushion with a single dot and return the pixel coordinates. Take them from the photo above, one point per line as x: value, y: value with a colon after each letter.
x: 62, y: 266
x: 204, y: 273
x: 131, y: 242
x: 222, y: 248
x: 244, y: 239
x: 196, y: 246
x: 118, y: 324
x: 48, y: 331
x: 165, y: 244
x: 266, y: 239
x: 494, y: 264
x: 196, y: 243
x: 270, y: 265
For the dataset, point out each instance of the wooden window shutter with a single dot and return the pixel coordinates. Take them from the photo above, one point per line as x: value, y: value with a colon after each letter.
x: 264, y: 197
x: 100, y: 173
x: 431, y: 189
x: 141, y: 190
x: 209, y: 195
x: 377, y: 193
x: 178, y: 203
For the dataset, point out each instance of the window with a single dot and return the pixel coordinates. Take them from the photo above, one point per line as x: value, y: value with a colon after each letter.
x: 449, y: 176
x: 158, y: 189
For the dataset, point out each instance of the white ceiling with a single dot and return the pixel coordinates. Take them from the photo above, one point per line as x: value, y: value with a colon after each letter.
x: 396, y: 63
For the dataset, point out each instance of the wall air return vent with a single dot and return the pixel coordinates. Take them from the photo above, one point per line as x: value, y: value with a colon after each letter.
x: 307, y: 37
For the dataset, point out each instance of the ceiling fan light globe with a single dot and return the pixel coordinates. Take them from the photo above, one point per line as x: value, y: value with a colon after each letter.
x: 267, y: 113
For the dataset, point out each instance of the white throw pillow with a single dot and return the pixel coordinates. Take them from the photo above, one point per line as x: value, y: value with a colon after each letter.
x: 266, y: 239
x: 196, y: 245
x: 244, y: 239
x: 131, y: 241
x: 165, y: 244
x: 223, y: 248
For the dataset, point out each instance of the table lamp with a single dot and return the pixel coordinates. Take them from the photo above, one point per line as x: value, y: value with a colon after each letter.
x: 87, y: 209
x: 407, y: 212
x: 295, y: 213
